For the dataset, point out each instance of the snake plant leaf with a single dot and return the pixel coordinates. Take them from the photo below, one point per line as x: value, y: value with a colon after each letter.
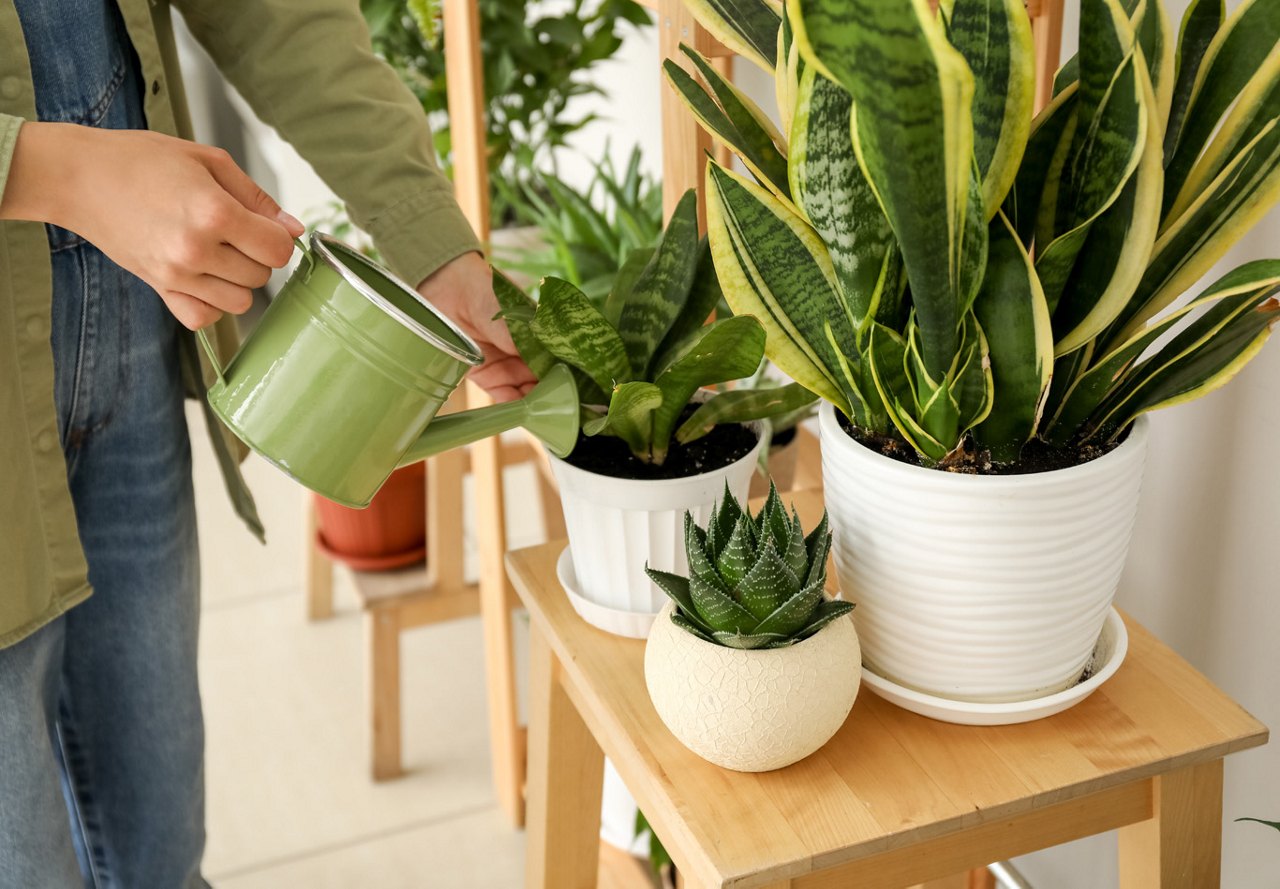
x: 742, y: 405
x: 1156, y: 40
x: 773, y: 266
x: 724, y: 350
x: 704, y: 295
x: 755, y: 147
x: 974, y: 386
x: 829, y: 187
x: 1274, y: 824
x: 1200, y: 24
x: 787, y: 73
x: 1043, y: 161
x: 1239, y: 49
x: 887, y: 355
x: 1241, y: 195
x: 735, y: 559
x: 662, y: 288
x: 914, y: 142
x: 1105, y: 159
x: 826, y: 612
x: 1015, y: 319
x: 1244, y: 289
x: 794, y: 614
x: 588, y: 222
x: 748, y: 27
x: 994, y: 36
x: 759, y: 588
x: 752, y: 640
x: 574, y: 331
x: 745, y: 114
x: 1117, y: 248
x: 684, y: 620
x: 1258, y: 105
x: 1201, y: 359
x: 630, y: 416
x: 677, y: 588
x: 624, y: 283
x: 518, y: 310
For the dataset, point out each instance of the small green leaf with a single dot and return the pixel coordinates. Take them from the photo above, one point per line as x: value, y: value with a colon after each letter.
x: 736, y: 558
x: 574, y: 331
x: 630, y: 416
x: 794, y: 614
x: 751, y: 641
x: 718, y: 609
x: 824, y: 614
x: 768, y: 583
x: 685, y: 622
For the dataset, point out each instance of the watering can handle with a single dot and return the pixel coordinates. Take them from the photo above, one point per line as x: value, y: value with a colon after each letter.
x: 203, y: 338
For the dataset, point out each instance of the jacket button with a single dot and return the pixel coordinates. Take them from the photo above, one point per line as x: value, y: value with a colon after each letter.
x: 10, y: 87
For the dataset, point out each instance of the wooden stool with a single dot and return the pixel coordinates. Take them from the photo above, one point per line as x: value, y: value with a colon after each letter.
x: 894, y: 799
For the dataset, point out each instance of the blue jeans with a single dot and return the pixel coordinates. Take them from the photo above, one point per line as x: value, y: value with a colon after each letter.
x: 101, y: 735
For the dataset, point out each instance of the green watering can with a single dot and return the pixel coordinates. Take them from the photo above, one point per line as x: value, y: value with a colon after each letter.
x: 340, y: 382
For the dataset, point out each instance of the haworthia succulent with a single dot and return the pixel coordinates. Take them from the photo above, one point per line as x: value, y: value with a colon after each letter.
x: 763, y: 588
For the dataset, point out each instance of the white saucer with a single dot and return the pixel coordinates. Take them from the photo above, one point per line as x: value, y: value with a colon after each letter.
x: 1112, y: 646
x: 632, y: 624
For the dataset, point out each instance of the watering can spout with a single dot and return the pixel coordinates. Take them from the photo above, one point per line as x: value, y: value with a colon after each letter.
x: 550, y: 411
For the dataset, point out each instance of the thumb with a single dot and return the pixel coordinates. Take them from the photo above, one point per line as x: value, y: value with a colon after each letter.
x: 248, y: 193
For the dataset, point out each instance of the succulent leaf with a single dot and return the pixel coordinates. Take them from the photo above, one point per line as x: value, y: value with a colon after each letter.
x: 768, y: 584
x: 754, y: 640
x: 718, y: 608
x: 685, y: 622
x: 797, y: 555
x: 827, y: 611
x: 794, y: 614
x: 818, y: 543
x: 735, y: 559
x: 677, y: 588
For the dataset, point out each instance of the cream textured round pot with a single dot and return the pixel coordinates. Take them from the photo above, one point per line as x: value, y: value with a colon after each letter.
x: 979, y: 588
x: 752, y: 711
x: 617, y: 525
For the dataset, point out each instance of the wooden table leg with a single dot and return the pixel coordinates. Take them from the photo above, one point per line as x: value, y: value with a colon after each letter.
x: 383, y: 629
x: 566, y: 772
x: 319, y: 571
x: 1180, y: 847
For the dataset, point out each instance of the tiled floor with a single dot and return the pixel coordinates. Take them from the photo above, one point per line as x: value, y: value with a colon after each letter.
x: 290, y: 803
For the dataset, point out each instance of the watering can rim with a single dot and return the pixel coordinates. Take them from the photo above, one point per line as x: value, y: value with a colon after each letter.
x: 325, y: 247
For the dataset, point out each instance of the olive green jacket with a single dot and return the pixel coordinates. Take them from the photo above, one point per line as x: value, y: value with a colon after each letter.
x: 307, y: 69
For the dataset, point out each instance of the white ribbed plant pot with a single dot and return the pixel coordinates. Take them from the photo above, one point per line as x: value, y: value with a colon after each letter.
x: 618, y: 525
x: 752, y: 711
x: 975, y: 587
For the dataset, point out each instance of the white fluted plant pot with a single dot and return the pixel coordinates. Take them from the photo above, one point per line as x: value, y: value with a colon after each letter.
x: 976, y: 587
x: 752, y: 711
x: 618, y: 525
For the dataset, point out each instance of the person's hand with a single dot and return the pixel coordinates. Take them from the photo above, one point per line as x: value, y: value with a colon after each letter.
x: 463, y: 290
x: 181, y: 216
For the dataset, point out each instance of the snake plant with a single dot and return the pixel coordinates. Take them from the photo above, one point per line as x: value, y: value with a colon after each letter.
x: 754, y: 581
x: 954, y: 273
x: 641, y: 357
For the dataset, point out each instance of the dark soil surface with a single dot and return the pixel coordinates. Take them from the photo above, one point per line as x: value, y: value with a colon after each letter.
x: 783, y: 438
x: 607, y: 455
x: 1037, y: 456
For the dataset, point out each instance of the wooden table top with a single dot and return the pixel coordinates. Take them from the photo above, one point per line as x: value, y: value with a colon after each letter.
x: 889, y: 778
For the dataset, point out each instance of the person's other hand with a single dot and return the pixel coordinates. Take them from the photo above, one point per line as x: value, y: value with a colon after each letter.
x: 181, y: 216
x: 463, y: 290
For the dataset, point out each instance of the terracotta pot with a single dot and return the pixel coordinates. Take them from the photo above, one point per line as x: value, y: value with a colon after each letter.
x: 389, y: 533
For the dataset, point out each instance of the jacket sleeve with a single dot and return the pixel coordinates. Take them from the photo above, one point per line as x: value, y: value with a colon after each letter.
x: 308, y: 70
x: 9, y: 126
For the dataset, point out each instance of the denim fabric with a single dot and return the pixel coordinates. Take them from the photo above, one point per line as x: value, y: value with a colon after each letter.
x: 101, y: 736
